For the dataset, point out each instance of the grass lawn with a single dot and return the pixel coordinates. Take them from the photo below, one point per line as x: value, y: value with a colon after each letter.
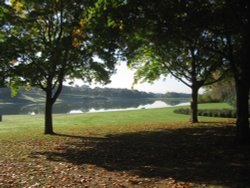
x: 140, y: 148
x: 214, y: 106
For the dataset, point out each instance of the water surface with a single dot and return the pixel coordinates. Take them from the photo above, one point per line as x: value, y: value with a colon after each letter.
x: 89, y: 106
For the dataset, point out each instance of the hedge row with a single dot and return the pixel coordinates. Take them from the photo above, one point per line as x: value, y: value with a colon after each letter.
x: 227, y: 113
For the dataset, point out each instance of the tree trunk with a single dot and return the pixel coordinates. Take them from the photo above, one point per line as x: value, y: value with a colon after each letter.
x: 50, y: 100
x: 48, y: 113
x: 241, y: 71
x: 242, y: 123
x: 242, y: 81
x: 194, y: 105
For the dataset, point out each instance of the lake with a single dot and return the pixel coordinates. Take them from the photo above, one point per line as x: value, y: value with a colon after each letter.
x: 89, y: 106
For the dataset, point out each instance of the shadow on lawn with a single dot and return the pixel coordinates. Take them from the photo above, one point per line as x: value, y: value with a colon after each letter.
x: 200, y: 155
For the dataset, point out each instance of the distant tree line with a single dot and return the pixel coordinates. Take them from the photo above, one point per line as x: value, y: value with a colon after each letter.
x: 176, y: 95
x: 106, y: 92
x: 70, y: 94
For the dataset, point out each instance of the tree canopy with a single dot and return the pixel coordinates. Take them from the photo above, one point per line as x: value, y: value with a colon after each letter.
x: 172, y: 41
x: 7, y: 44
x: 222, y: 25
x: 59, y: 42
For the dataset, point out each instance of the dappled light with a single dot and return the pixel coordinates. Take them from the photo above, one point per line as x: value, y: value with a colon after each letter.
x: 200, y: 155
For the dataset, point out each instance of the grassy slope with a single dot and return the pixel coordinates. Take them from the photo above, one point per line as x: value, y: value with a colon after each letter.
x: 26, y: 126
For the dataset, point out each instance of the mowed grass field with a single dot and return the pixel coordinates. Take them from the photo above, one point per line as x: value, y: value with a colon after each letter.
x: 139, y: 148
x: 33, y: 125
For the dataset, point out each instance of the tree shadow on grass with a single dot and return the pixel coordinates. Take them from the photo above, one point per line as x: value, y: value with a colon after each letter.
x: 198, y: 154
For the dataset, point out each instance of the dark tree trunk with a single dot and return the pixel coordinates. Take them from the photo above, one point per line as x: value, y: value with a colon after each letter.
x: 195, y: 88
x: 242, y: 123
x: 194, y: 105
x: 51, y: 98
x: 48, y: 113
x: 242, y: 82
x: 241, y: 71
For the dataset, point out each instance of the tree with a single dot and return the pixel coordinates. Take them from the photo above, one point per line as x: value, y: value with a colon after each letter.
x: 173, y: 43
x: 188, y: 62
x: 231, y: 24
x: 6, y: 44
x: 223, y: 91
x: 226, y: 21
x: 59, y: 42
x: 239, y: 56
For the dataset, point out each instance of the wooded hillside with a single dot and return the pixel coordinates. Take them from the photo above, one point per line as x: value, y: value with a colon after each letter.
x: 73, y: 94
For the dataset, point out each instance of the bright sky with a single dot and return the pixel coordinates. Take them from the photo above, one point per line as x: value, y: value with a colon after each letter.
x: 124, y: 79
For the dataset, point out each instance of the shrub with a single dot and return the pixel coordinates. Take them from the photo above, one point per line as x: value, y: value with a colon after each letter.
x: 226, y: 113
x: 185, y: 111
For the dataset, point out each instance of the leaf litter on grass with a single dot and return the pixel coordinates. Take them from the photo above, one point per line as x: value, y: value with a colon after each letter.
x: 151, y: 155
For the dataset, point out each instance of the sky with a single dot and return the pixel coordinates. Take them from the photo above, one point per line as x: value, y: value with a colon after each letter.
x: 124, y: 79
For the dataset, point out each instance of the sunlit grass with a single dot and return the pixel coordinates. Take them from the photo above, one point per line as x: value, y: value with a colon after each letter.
x: 215, y: 106
x: 29, y: 126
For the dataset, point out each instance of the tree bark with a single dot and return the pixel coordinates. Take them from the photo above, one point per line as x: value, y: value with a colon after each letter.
x: 242, y: 122
x: 194, y: 105
x: 50, y: 100
x: 48, y: 113
x: 241, y: 71
x: 242, y: 79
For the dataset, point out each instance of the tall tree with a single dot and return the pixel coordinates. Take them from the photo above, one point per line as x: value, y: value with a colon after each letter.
x: 231, y: 24
x: 6, y: 54
x: 226, y: 21
x: 60, y: 42
x: 239, y: 56
x: 188, y: 62
x: 167, y: 39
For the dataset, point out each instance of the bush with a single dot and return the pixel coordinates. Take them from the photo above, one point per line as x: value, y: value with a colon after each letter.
x: 185, y: 111
x: 226, y: 113
x: 210, y: 114
x: 204, y: 113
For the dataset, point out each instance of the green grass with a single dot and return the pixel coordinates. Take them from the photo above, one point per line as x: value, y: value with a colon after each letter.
x: 26, y: 126
x: 139, y: 148
x: 214, y: 106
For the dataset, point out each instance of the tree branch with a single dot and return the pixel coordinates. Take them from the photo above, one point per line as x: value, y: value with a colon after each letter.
x: 216, y: 80
x: 177, y: 77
